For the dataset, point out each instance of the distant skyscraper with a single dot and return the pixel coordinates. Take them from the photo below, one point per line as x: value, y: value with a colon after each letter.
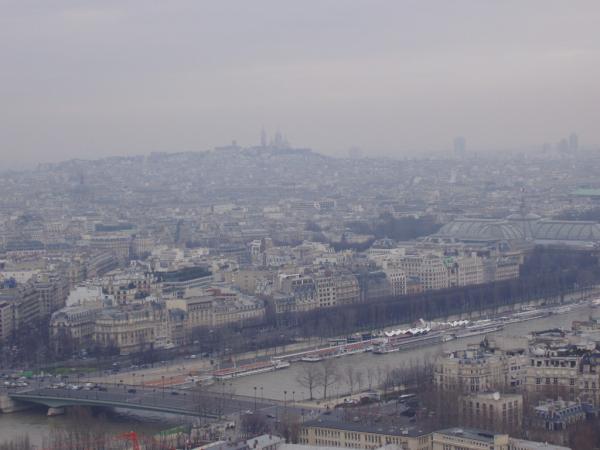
x: 354, y: 153
x: 573, y: 142
x: 263, y: 138
x: 563, y: 146
x: 460, y: 146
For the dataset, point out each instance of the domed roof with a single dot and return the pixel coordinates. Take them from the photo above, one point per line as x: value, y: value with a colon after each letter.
x: 481, y: 230
x: 519, y: 216
x: 521, y: 227
x: 566, y: 230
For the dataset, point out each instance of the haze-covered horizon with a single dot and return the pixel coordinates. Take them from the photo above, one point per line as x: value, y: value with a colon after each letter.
x: 392, y: 78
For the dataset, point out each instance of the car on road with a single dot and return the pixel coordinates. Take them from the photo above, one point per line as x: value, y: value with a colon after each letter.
x: 174, y: 393
x: 131, y: 391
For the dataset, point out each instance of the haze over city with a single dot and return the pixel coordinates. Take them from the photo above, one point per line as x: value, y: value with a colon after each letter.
x: 299, y: 225
x: 92, y: 79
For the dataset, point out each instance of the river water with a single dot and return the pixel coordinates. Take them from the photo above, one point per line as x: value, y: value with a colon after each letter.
x: 272, y: 385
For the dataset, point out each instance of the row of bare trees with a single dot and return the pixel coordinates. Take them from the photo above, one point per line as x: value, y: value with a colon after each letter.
x: 314, y: 376
x: 413, y: 374
x: 16, y: 444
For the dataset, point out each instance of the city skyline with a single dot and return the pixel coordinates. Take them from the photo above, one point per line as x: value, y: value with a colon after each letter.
x: 400, y: 79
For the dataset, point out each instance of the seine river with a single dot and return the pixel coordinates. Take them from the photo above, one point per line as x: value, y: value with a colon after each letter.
x: 273, y: 384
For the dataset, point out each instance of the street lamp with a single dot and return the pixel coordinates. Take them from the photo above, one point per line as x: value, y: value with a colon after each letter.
x: 163, y: 385
x: 254, y: 398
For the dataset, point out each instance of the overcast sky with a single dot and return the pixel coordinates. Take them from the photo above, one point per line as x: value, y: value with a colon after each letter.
x: 95, y: 78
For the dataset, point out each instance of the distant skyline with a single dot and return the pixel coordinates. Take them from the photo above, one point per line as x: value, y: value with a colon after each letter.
x: 391, y: 78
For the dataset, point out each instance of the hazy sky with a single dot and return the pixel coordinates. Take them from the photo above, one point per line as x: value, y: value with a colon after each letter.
x: 94, y: 78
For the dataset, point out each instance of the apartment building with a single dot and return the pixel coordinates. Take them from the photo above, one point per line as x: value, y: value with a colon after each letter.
x: 129, y: 331
x: 373, y: 284
x: 198, y: 309
x: 325, y: 287
x: 557, y: 371
x: 410, y: 265
x: 117, y: 243
x: 246, y: 280
x: 492, y: 411
x: 53, y: 290
x: 6, y: 319
x: 295, y: 293
x: 553, y: 420
x: 21, y: 305
x: 468, y: 439
x: 434, y: 273
x: 478, y: 370
x: 347, y: 290
x: 333, y: 433
x: 184, y: 279
x: 567, y: 372
x: 397, y: 280
x: 237, y: 309
x: 465, y: 270
x: 99, y: 263
x: 507, y: 269
x: 75, y: 324
x: 430, y: 269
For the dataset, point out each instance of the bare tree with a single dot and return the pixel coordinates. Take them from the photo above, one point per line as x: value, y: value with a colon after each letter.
x: 380, y: 376
x: 350, y: 374
x: 21, y: 443
x: 309, y: 378
x: 370, y: 376
x: 253, y: 425
x: 359, y: 377
x: 290, y: 427
x: 584, y: 435
x: 329, y: 375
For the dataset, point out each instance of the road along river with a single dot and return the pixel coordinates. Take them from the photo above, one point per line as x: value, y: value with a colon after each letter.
x: 273, y: 384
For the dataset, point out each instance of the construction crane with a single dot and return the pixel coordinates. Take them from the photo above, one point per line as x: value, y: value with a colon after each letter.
x: 131, y: 437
